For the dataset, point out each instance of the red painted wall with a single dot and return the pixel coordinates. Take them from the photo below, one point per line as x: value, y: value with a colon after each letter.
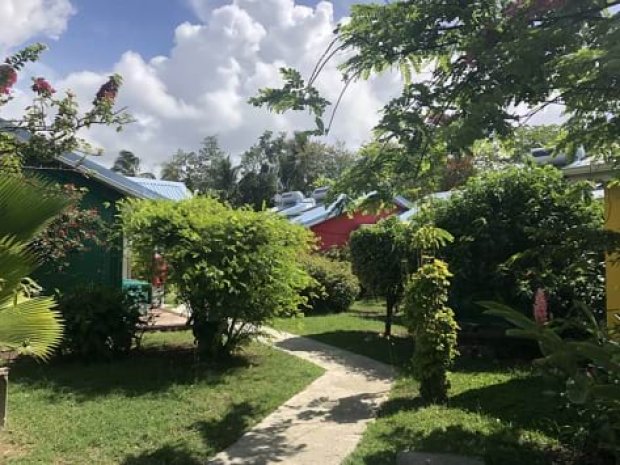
x: 335, y: 232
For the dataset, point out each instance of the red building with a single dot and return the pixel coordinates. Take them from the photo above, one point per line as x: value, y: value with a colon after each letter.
x: 333, y: 225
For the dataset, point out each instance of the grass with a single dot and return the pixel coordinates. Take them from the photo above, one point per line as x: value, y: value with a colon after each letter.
x: 496, y: 411
x: 158, y: 406
x: 359, y: 330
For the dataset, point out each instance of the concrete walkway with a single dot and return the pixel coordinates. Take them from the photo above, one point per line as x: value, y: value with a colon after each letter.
x: 322, y: 424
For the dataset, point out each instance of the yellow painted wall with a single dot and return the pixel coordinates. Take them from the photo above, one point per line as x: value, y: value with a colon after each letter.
x: 612, y: 221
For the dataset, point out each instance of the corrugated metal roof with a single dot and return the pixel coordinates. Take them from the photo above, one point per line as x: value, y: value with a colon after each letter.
x: 172, y: 190
x: 320, y: 214
x: 114, y: 180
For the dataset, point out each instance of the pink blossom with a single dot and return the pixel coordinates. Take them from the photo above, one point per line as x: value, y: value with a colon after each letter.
x: 42, y: 87
x: 541, y: 314
x: 8, y: 77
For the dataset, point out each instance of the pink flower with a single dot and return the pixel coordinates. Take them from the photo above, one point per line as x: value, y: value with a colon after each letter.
x: 108, y: 91
x: 8, y: 77
x: 42, y: 87
x: 541, y: 314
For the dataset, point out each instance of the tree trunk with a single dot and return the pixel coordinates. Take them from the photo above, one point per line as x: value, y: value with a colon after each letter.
x: 388, y: 315
x: 4, y: 394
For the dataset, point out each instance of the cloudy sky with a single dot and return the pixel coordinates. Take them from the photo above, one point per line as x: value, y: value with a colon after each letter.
x: 189, y: 66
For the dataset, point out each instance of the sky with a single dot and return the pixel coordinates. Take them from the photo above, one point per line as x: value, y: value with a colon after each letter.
x: 189, y: 67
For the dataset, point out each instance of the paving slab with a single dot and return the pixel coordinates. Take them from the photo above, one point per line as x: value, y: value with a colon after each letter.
x: 426, y: 458
x: 322, y: 424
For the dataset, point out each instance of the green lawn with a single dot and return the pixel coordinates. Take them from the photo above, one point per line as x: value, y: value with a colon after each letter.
x: 359, y: 330
x: 495, y: 411
x: 499, y: 414
x: 155, y: 407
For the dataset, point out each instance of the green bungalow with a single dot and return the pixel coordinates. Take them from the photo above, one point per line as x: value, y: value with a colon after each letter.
x: 105, y: 264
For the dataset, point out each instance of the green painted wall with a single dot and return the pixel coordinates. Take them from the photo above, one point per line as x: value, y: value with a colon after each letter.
x: 99, y: 264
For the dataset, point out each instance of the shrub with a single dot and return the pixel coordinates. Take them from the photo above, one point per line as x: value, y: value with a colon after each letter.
x: 335, y: 287
x: 100, y: 322
x: 429, y: 319
x: 234, y: 268
x: 520, y: 229
x: 378, y: 256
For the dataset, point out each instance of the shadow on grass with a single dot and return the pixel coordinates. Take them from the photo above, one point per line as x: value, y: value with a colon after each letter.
x: 221, y: 433
x: 166, y: 455
x: 503, y: 446
x: 395, y: 350
x: 521, y: 402
x: 136, y: 374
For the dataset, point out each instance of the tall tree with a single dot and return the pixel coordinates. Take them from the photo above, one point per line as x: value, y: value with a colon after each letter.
x: 484, y: 62
x: 198, y: 170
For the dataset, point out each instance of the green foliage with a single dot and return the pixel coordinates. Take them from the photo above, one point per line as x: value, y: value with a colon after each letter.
x: 379, y: 259
x: 520, y: 229
x: 234, y: 268
x: 483, y: 62
x: 28, y: 325
x: 589, y: 368
x: 100, y: 322
x: 432, y: 324
x: 335, y: 287
x: 207, y: 171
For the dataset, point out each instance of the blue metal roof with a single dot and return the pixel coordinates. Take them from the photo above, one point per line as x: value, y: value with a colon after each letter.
x: 116, y: 181
x: 172, y: 190
x: 319, y: 214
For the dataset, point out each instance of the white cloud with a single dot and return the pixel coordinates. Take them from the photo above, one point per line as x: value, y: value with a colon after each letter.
x: 202, y: 85
x: 21, y: 20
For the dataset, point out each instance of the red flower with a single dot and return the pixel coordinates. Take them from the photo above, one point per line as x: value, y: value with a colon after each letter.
x: 108, y: 91
x: 8, y: 77
x: 42, y: 87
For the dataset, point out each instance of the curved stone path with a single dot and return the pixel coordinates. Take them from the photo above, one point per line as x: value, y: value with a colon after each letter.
x: 322, y: 424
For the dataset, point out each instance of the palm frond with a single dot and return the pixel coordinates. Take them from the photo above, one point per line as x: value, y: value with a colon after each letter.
x: 15, y: 265
x: 31, y: 327
x: 26, y: 207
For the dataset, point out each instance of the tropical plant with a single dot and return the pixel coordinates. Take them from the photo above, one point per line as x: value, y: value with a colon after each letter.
x: 588, y: 366
x: 235, y: 269
x: 335, y: 287
x: 379, y: 259
x: 28, y: 324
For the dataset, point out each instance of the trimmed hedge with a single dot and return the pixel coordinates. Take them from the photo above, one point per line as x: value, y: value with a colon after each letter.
x: 335, y: 287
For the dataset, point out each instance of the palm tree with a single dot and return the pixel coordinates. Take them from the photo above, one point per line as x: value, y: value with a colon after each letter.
x: 28, y: 325
x: 127, y: 163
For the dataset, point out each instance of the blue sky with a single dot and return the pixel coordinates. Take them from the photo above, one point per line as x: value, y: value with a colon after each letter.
x: 212, y: 55
x: 101, y: 31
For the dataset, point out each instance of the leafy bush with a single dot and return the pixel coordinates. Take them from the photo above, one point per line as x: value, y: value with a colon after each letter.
x: 234, y: 268
x: 433, y: 327
x: 100, y: 322
x: 335, y: 287
x: 378, y: 256
x: 520, y: 229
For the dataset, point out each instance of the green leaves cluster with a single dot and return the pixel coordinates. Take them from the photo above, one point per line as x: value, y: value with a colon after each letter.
x: 335, y: 287
x: 483, y: 62
x: 379, y: 259
x: 235, y: 269
x: 434, y: 329
x: 524, y: 228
